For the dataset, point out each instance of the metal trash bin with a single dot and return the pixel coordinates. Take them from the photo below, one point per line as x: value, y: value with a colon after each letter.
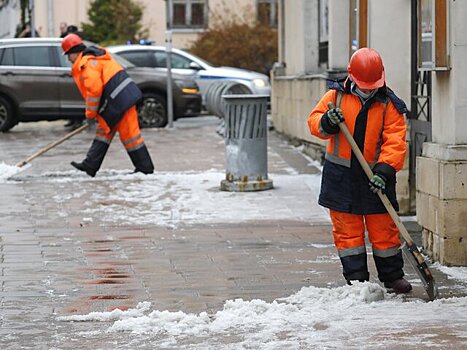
x: 215, y: 104
x: 246, y: 143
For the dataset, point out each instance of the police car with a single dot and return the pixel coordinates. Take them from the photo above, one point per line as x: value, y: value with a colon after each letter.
x: 186, y: 63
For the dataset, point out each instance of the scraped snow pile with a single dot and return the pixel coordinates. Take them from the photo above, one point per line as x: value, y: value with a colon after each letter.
x: 6, y: 171
x: 342, y: 317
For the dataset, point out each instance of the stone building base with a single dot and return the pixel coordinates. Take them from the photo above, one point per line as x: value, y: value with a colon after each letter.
x: 442, y: 202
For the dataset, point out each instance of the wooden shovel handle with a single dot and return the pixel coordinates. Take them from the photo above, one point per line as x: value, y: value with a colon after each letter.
x: 52, y: 145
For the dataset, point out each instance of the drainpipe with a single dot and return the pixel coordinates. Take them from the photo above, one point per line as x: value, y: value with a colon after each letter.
x: 32, y: 20
x: 278, y: 68
x: 282, y: 33
x: 50, y: 17
x: 168, y: 48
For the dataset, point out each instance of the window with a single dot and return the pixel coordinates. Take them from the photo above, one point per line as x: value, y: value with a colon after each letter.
x: 63, y: 59
x: 178, y: 61
x: 139, y: 58
x: 7, y: 57
x: 358, y: 25
x: 27, y: 56
x: 161, y: 58
x: 189, y: 14
x: 267, y: 12
x: 432, y: 35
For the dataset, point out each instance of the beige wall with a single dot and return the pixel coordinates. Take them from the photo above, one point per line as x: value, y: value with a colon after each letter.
x: 292, y: 102
x: 389, y: 33
x: 49, y: 14
x: 300, y: 37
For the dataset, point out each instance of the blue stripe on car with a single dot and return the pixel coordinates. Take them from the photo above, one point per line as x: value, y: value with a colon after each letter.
x: 217, y: 77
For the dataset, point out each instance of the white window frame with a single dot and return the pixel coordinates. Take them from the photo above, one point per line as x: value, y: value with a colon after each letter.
x: 436, y: 38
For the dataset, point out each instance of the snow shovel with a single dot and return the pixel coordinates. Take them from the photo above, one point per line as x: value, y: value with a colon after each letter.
x: 411, y: 250
x: 50, y: 146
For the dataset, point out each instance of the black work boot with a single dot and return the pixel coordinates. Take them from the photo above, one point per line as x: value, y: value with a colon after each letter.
x: 141, y: 160
x: 398, y: 286
x: 94, y: 158
x: 84, y: 167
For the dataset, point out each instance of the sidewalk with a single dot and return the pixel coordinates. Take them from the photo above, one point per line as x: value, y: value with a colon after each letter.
x: 72, y: 245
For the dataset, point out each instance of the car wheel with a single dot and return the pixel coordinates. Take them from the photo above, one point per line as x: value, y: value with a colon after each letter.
x: 7, y: 119
x: 152, y: 112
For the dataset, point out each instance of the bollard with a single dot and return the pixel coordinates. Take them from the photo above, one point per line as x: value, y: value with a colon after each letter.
x: 245, y: 139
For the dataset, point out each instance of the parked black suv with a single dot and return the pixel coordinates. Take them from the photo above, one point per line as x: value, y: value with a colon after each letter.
x: 35, y: 84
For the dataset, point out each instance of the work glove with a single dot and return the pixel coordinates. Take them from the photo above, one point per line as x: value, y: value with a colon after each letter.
x: 335, y: 116
x: 377, y: 182
x: 91, y: 122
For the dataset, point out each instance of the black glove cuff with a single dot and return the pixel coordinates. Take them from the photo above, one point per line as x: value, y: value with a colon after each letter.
x: 385, y: 171
x: 381, y: 176
x: 327, y: 126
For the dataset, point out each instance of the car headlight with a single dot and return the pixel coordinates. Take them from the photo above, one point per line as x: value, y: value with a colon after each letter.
x: 259, y: 82
x: 187, y: 87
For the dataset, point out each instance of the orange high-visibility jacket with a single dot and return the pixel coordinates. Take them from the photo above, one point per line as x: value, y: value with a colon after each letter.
x: 379, y: 129
x: 91, y: 73
x: 107, y: 89
x: 384, y: 136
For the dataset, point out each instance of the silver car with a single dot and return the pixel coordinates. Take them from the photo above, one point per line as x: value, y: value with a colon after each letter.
x: 186, y: 63
x: 35, y: 84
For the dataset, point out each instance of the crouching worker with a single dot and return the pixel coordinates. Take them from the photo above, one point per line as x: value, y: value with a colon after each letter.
x: 374, y: 115
x: 110, y: 96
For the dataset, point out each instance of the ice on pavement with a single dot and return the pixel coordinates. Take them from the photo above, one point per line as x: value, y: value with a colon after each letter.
x: 357, y: 315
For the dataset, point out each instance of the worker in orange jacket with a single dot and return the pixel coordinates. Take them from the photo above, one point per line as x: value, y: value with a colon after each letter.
x: 110, y: 96
x: 374, y: 116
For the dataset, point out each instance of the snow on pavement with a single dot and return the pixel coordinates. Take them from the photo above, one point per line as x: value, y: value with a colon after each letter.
x: 361, y: 316
x: 174, y: 198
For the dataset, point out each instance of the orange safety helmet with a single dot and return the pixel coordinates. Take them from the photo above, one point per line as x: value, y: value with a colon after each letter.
x: 71, y: 41
x: 366, y: 69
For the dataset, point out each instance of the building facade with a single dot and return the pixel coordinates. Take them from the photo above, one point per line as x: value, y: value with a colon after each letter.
x: 425, y: 57
x: 188, y: 18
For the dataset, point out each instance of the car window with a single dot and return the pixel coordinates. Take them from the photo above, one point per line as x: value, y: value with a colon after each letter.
x: 64, y: 60
x: 180, y: 61
x: 123, y: 62
x: 138, y: 58
x: 32, y: 56
x: 7, y: 57
x: 177, y: 60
